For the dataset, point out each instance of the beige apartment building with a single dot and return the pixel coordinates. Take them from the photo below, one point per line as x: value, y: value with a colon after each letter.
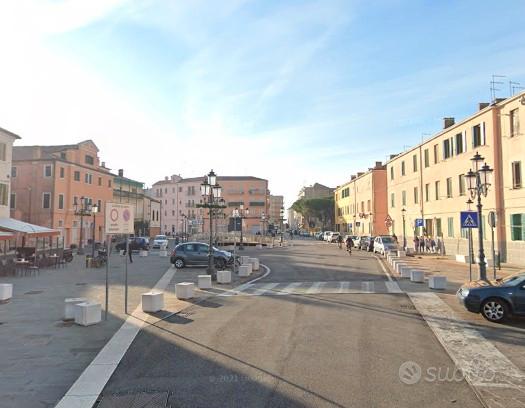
x: 428, y: 181
x: 361, y: 203
x: 7, y: 139
x: 276, y: 202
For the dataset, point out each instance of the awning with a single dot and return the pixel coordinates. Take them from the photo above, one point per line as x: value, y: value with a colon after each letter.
x: 31, y: 230
x: 5, y: 236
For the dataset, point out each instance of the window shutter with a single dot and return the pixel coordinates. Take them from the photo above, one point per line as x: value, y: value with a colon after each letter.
x: 444, y: 150
x: 483, y: 137
x: 464, y: 141
x: 451, y: 146
x: 473, y: 138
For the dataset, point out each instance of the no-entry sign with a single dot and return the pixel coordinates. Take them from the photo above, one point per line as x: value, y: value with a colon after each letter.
x: 120, y: 219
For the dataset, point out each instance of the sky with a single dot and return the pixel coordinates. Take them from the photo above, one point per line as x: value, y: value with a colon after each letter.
x: 296, y: 92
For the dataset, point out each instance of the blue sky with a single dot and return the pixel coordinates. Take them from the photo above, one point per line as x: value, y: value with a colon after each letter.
x: 294, y: 91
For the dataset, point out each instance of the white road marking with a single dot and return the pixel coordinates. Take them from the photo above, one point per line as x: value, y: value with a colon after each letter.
x: 367, y: 287
x: 289, y: 288
x: 482, y: 364
x: 343, y: 287
x: 393, y: 287
x: 264, y: 288
x: 315, y: 288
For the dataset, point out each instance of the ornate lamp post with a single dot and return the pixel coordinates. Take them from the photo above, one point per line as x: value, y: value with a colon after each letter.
x: 211, y: 192
x: 281, y: 219
x: 241, y: 213
x: 82, y: 210
x: 263, y: 221
x: 403, y: 211
x: 184, y: 220
x: 478, y: 183
x: 94, y: 211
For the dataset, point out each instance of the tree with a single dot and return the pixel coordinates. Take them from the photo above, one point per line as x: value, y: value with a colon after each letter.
x: 321, y: 209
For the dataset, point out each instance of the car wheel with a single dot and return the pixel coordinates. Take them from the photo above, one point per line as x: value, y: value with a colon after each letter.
x: 495, y: 310
x: 220, y: 263
x: 179, y: 263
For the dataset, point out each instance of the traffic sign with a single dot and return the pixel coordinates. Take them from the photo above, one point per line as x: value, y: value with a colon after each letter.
x: 388, y: 218
x: 120, y: 219
x: 492, y: 219
x: 420, y: 222
x: 469, y: 219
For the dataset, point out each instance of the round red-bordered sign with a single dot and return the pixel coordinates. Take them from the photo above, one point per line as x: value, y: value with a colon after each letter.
x: 113, y: 214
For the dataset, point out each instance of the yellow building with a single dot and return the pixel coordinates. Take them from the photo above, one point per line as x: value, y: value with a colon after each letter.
x: 428, y: 181
x: 360, y: 204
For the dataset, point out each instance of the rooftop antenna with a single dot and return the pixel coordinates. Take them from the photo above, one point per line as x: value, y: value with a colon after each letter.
x: 423, y: 136
x: 493, y: 84
x: 513, y: 86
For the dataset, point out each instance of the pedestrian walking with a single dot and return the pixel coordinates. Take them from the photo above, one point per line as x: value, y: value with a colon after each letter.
x: 433, y: 245
x: 427, y: 244
x: 440, y: 246
x: 421, y: 244
x: 416, y: 243
x: 394, y: 237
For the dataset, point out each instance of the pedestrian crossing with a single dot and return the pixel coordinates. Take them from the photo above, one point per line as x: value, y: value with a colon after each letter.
x: 312, y: 288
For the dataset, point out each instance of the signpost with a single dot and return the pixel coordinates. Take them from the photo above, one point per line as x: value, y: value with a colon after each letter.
x: 469, y: 220
x: 119, y: 219
x: 388, y: 221
x: 492, y: 224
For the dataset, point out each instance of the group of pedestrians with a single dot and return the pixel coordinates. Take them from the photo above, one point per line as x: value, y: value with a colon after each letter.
x: 426, y: 244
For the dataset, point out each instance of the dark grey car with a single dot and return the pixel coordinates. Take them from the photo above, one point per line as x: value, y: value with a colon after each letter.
x: 196, y: 253
x: 495, y: 300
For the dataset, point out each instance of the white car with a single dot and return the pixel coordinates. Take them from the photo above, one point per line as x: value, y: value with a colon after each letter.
x: 326, y: 236
x: 384, y: 243
x: 333, y: 237
x: 160, y: 241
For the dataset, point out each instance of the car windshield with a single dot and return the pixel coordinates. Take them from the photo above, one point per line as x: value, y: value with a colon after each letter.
x: 387, y: 240
x: 512, y: 280
x: 160, y: 237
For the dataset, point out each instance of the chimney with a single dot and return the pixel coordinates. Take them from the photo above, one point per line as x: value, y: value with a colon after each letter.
x: 378, y: 165
x: 392, y: 156
x: 121, y: 172
x: 360, y: 173
x: 166, y: 178
x: 103, y: 164
x: 353, y: 177
x: 498, y: 100
x: 447, y: 122
x: 483, y: 105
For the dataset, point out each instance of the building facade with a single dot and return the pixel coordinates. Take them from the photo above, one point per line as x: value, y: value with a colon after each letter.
x: 428, y: 182
x: 274, y: 209
x: 47, y: 181
x: 316, y: 190
x: 361, y: 205
x: 7, y: 139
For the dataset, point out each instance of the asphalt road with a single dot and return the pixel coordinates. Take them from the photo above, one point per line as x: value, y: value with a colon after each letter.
x: 315, y: 347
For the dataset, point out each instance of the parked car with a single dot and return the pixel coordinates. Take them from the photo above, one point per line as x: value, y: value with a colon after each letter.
x: 135, y: 244
x: 319, y: 235
x: 326, y: 235
x: 371, y: 244
x: 495, y: 300
x: 356, y: 240
x: 159, y: 241
x: 384, y: 243
x: 196, y: 253
x: 364, y: 243
x: 333, y: 237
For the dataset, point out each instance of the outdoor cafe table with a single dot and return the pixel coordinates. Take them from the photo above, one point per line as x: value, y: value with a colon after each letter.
x: 21, y: 264
x: 55, y: 257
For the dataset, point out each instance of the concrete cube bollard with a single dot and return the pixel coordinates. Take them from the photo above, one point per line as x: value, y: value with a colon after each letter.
x: 87, y: 313
x: 122, y: 252
x: 245, y: 270
x: 405, y: 271
x: 184, y: 290
x: 393, y: 259
x: 437, y: 282
x: 152, y: 301
x: 204, y: 281
x: 69, y: 307
x: 399, y: 265
x: 401, y: 253
x: 258, y: 246
x: 417, y: 276
x: 396, y: 262
x: 255, y: 263
x: 143, y: 253
x: 224, y: 276
x: 6, y: 291
x: 244, y: 259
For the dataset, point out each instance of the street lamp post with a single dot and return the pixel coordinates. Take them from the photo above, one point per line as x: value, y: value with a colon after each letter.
x: 403, y: 211
x: 211, y: 191
x: 281, y: 219
x: 478, y: 182
x: 240, y: 213
x: 83, y: 209
x: 94, y: 211
x: 263, y: 220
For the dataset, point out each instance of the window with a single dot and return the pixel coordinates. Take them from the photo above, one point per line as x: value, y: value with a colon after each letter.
x: 439, y: 231
x: 368, y: 205
x: 46, y: 200
x: 478, y: 135
x: 427, y: 158
x: 3, y: 151
x: 62, y: 171
x: 63, y: 155
x: 100, y: 181
x: 517, y: 227
x: 514, y: 123
x: 436, y: 153
x: 461, y: 182
x: 3, y: 193
x: 12, y: 204
x: 99, y: 205
x: 61, y: 201
x: 449, y: 187
x: 427, y: 192
x: 403, y: 198
x: 77, y: 176
x: 447, y: 148
x: 88, y: 178
x: 460, y: 145
x: 392, y: 173
x: 450, y: 227
x: 392, y: 200
x: 180, y: 189
x: 47, y: 170
x: 416, y: 195
x: 437, y: 190
x: 13, y: 172
x: 109, y: 183
x: 516, y: 174
x: 90, y: 160
x: 402, y: 168
x: 414, y: 162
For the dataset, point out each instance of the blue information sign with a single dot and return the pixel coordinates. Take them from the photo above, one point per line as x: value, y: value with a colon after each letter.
x: 469, y: 219
x: 420, y: 222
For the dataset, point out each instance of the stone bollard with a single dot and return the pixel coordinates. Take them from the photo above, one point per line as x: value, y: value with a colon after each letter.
x: 244, y: 259
x: 405, y: 271
x: 258, y: 246
x: 152, y: 301
x: 204, y: 281
x: 255, y: 263
x: 122, y: 252
x: 69, y: 307
x: 437, y: 282
x: 184, y: 290
x: 224, y: 276
x: 87, y: 313
x: 401, y: 253
x: 245, y: 270
x: 399, y: 265
x: 417, y: 276
x: 6, y: 292
x: 143, y: 253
